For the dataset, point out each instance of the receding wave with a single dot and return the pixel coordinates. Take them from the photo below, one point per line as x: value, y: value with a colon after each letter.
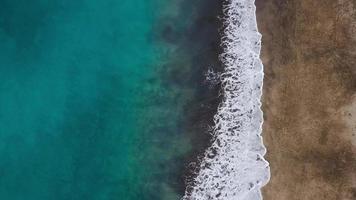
x: 234, y: 167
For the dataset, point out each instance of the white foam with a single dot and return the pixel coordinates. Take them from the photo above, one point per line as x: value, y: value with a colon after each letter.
x: 233, y: 168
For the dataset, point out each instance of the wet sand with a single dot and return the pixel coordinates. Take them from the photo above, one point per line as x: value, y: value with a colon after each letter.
x: 309, y: 101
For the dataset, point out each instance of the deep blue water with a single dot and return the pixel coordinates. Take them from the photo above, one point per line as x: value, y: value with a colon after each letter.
x: 103, y: 99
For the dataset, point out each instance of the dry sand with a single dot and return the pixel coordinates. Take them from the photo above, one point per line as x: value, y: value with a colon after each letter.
x: 309, y: 102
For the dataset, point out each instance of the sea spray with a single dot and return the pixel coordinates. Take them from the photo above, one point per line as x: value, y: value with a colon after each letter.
x: 233, y: 168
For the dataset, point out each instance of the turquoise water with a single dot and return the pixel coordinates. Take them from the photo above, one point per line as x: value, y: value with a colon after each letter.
x: 92, y: 104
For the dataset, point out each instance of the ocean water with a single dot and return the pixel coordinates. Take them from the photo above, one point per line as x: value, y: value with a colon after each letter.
x: 118, y: 100
x: 103, y: 99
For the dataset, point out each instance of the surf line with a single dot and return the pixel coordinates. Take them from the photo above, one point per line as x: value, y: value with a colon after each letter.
x: 233, y: 167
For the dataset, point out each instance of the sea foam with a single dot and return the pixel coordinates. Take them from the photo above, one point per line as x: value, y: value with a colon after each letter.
x: 233, y: 168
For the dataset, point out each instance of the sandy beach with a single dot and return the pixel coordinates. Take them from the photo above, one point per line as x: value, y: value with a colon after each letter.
x: 309, y: 100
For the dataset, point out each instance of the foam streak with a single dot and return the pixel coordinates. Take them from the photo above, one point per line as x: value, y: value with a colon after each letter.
x: 233, y: 168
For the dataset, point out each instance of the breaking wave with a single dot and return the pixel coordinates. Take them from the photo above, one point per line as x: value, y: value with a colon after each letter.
x: 233, y: 168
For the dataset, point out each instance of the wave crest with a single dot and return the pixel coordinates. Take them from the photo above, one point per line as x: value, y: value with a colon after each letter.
x: 234, y: 167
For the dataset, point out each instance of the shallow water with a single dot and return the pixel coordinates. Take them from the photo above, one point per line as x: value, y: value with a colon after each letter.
x: 97, y: 96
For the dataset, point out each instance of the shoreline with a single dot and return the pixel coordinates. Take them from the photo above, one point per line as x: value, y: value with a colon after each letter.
x: 309, y: 98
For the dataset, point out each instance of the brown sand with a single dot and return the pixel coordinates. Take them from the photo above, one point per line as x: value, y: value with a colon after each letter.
x: 309, y: 102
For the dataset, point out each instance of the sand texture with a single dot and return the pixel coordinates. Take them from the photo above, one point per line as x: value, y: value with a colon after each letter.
x: 309, y: 100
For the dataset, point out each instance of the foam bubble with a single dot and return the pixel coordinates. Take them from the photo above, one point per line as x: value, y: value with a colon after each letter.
x: 233, y: 168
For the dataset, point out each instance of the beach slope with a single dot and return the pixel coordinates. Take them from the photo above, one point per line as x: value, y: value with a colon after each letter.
x: 309, y: 101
